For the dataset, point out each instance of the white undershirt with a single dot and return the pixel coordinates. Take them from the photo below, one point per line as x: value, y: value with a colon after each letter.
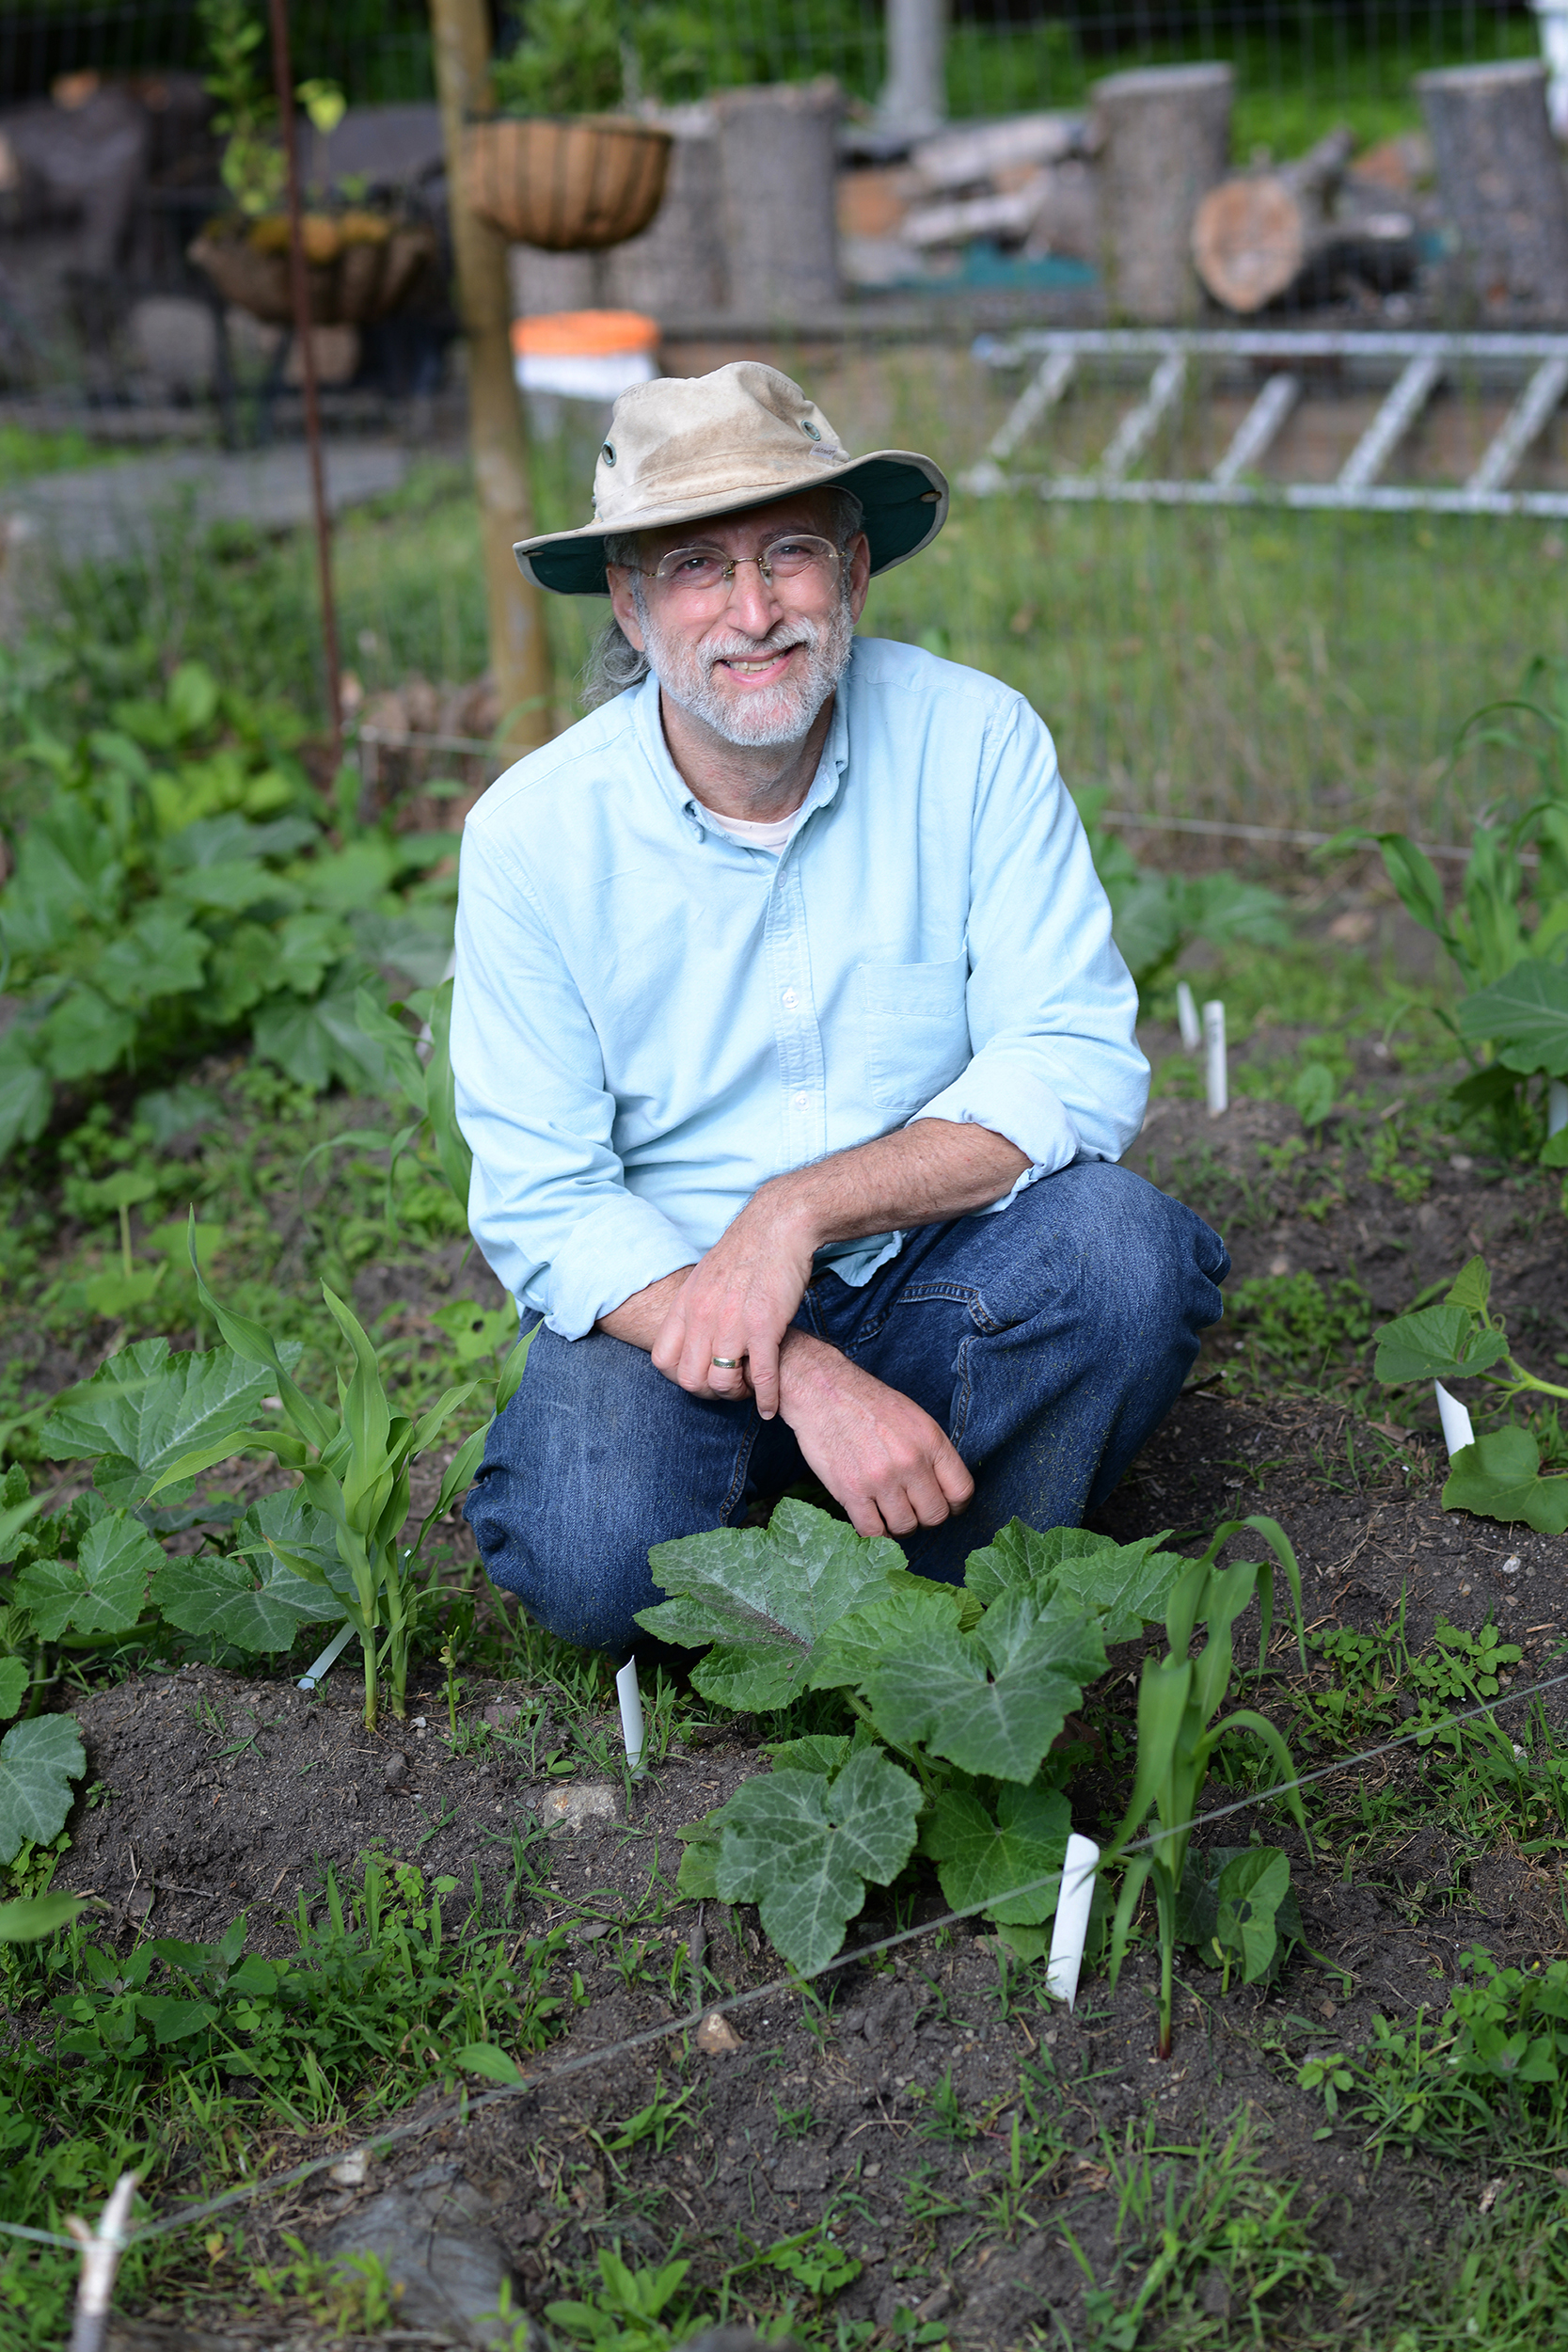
x: 772, y: 836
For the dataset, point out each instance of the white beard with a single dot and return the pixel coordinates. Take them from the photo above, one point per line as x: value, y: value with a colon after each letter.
x: 753, y: 718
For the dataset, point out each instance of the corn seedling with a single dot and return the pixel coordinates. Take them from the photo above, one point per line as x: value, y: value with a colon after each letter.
x: 1179, y: 1697
x: 354, y: 1470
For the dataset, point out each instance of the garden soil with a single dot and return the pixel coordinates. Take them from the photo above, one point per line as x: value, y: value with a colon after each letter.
x: 212, y: 1794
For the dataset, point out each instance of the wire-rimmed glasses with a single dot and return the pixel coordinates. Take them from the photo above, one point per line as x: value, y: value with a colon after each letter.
x: 795, y: 556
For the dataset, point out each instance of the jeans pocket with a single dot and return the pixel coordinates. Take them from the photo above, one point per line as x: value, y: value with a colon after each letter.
x: 916, y: 1030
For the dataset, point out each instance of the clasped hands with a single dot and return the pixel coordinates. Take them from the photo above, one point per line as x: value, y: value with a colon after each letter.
x: 877, y: 1452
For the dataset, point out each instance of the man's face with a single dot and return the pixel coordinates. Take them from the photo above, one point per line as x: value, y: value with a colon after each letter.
x: 754, y: 660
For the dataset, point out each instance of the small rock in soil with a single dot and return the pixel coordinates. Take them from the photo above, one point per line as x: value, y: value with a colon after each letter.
x: 438, y: 2252
x: 395, y: 1770
x: 574, y: 1808
x: 716, y: 2036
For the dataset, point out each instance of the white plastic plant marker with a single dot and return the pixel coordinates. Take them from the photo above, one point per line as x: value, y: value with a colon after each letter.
x: 1187, y: 1020
x: 1216, y: 1075
x: 100, y: 2251
x: 1072, y: 1923
x: 1455, y: 1417
x: 328, y: 1659
x: 631, y: 1716
x: 1557, y: 1106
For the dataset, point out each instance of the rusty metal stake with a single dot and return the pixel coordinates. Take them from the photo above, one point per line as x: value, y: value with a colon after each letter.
x: 300, y: 289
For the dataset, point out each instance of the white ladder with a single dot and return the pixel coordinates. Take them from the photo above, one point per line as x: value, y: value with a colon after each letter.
x: 1418, y: 364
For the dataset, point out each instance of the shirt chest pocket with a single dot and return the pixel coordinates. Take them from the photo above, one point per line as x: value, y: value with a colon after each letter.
x: 916, y: 1030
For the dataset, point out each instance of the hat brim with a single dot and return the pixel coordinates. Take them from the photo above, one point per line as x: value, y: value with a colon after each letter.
x: 904, y: 496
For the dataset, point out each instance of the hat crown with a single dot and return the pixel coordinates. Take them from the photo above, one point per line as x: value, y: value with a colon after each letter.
x: 681, y: 441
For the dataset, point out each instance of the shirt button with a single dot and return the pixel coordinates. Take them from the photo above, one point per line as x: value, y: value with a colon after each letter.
x: 802, y: 1101
x: 789, y: 1000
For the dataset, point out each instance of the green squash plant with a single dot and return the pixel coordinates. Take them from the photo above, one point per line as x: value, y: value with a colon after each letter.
x: 1499, y: 1476
x: 327, y: 1550
x: 954, y: 1702
x: 178, y: 882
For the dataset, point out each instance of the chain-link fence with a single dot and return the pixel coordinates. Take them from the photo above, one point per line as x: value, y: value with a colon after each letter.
x: 1199, y: 557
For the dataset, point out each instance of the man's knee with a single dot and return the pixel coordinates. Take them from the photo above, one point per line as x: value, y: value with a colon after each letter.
x: 1103, y: 1249
x: 596, y: 1459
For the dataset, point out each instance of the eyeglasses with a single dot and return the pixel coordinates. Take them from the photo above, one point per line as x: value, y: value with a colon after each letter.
x: 703, y: 571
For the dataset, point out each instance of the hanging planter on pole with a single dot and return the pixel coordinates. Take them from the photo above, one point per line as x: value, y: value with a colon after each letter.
x: 359, y: 265
x: 570, y: 184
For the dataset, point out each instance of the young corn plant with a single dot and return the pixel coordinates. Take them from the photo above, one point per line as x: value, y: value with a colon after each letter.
x: 1179, y: 1697
x: 353, y: 1472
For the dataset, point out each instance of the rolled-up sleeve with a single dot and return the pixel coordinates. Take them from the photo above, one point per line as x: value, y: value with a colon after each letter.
x: 549, y: 1203
x: 1052, y: 1006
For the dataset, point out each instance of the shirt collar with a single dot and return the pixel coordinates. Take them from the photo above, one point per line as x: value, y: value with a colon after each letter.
x: 825, y: 784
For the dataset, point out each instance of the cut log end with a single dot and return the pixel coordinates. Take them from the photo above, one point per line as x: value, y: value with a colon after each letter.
x: 1250, y: 241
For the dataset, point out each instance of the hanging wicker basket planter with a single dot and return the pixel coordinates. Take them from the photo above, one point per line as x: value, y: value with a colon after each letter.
x: 571, y: 184
x: 359, y: 267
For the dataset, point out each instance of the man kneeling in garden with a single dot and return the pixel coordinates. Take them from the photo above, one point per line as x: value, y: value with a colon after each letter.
x: 794, y: 1050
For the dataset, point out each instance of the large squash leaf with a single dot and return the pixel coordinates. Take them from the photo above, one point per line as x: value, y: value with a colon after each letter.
x: 803, y: 1848
x: 763, y: 1596
x: 39, y: 1760
x: 103, y: 1590
x: 1435, y: 1343
x: 992, y: 1701
x: 1125, y: 1585
x: 1498, y: 1477
x: 146, y: 1409
x: 1525, y: 1015
x: 981, y: 1858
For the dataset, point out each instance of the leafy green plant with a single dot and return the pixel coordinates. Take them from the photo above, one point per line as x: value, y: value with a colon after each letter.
x: 1179, y: 1697
x: 1496, y: 2061
x: 956, y: 1697
x: 1499, y: 1476
x: 332, y: 1549
x: 627, y: 2309
x: 1508, y: 934
x: 178, y: 887
x: 1155, y: 915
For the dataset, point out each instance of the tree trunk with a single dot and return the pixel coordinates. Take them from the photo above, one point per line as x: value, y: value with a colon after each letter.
x: 519, y: 648
x: 778, y: 169
x: 677, y: 265
x: 1268, y: 234
x: 1502, y: 188
x: 1165, y: 132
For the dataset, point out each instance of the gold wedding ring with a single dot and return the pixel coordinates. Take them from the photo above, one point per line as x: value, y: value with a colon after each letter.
x: 726, y: 1363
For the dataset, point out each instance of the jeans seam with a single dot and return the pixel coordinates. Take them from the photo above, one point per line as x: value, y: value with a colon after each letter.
x: 742, y: 1464
x: 914, y: 1294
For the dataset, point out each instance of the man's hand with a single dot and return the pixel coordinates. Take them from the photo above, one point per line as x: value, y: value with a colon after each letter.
x: 877, y: 1452
x: 739, y: 1302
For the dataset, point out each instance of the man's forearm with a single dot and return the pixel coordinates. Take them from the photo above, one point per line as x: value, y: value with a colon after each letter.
x: 920, y: 1175
x: 640, y: 1319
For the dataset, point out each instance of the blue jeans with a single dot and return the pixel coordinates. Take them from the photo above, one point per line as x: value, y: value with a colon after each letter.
x: 1048, y: 1340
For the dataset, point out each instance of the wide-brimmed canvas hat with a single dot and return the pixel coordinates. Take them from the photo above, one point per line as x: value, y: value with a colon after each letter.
x: 683, y: 449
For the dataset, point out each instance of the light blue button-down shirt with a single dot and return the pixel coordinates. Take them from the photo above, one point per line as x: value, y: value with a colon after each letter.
x: 649, y: 1021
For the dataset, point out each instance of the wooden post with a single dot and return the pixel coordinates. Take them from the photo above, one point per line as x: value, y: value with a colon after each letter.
x: 1166, y: 134
x: 299, y: 288
x: 1502, y: 187
x: 519, y: 647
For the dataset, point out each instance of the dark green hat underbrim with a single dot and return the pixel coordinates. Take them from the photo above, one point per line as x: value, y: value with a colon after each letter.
x: 904, y: 496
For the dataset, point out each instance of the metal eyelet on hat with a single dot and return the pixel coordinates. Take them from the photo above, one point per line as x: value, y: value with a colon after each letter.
x: 608, y: 452
x: 810, y: 430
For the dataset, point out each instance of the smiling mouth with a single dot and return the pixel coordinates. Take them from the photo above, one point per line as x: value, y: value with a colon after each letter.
x: 766, y: 665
